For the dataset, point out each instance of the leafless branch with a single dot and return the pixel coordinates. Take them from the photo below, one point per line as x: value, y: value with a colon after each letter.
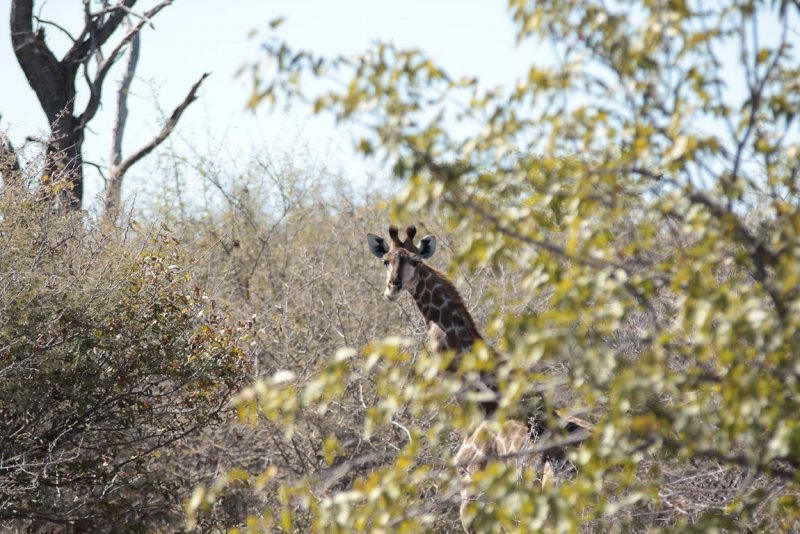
x: 737, y: 459
x: 100, y: 30
x: 113, y: 190
x: 102, y: 70
x: 51, y: 23
x: 127, y: 10
x: 118, y: 128
x: 98, y: 167
x: 335, y: 474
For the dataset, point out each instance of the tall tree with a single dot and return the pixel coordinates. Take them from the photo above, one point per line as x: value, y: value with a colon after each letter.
x: 54, y: 81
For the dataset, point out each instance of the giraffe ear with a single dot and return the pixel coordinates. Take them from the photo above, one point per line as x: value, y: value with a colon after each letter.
x: 377, y: 245
x: 427, y: 246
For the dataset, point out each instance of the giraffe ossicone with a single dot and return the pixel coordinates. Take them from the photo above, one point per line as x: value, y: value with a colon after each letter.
x: 451, y: 327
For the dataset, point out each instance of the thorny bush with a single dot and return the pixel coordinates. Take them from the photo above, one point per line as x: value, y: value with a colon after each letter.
x: 110, y: 355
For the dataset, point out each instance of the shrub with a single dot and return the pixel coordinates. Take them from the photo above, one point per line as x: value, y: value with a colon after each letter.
x: 110, y: 354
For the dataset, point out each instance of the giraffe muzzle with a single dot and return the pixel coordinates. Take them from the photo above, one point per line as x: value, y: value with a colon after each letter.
x: 393, y: 289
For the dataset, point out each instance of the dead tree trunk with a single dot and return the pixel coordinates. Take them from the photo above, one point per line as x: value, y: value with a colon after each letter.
x: 118, y: 128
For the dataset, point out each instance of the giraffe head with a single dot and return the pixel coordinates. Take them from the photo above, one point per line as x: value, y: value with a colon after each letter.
x: 401, y: 259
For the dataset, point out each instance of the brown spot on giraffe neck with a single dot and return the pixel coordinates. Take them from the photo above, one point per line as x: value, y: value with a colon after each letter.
x: 437, y: 297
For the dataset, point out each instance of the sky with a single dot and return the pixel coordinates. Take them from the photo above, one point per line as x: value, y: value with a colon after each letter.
x: 467, y: 37
x: 474, y: 38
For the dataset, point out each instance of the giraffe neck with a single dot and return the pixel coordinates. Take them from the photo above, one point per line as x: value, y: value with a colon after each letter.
x: 450, y: 324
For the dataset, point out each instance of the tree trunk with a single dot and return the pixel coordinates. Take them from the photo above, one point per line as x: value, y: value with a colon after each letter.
x: 113, y: 193
x: 63, y: 172
x: 54, y: 84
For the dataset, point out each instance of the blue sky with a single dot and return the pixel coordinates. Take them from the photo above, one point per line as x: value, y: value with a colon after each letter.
x: 467, y: 37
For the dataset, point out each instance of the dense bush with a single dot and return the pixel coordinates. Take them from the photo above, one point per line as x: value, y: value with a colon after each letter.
x: 110, y: 354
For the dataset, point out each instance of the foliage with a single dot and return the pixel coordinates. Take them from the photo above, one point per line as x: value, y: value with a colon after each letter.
x: 645, y: 190
x: 110, y: 355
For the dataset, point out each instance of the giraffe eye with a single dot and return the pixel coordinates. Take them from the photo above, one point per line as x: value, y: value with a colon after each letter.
x: 415, y: 262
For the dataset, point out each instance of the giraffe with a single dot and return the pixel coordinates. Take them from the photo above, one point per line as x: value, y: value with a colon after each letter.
x: 451, y: 327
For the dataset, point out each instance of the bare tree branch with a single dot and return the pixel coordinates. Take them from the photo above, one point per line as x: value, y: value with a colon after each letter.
x: 104, y: 66
x: 126, y: 9
x: 118, y: 127
x: 101, y: 30
x: 57, y: 26
x: 332, y: 476
x: 98, y: 167
x: 741, y: 460
x: 114, y: 188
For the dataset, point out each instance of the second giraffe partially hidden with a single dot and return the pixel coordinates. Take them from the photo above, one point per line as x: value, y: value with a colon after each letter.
x: 452, y: 328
